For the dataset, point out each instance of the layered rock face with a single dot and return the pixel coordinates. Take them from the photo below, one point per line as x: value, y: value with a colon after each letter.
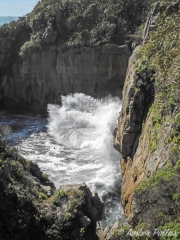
x: 138, y: 94
x: 42, y: 77
x: 147, y: 133
x: 65, y: 47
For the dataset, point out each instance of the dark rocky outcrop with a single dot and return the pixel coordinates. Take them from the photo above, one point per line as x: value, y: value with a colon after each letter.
x: 32, y: 209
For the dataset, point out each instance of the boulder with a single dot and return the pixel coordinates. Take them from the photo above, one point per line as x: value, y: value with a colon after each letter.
x: 93, y: 206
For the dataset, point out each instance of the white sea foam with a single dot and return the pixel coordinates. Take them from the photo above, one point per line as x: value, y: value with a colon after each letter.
x: 85, y: 125
x: 78, y: 147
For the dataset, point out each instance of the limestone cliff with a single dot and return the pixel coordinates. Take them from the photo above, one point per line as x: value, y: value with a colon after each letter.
x: 68, y: 46
x: 45, y: 76
x: 65, y: 47
x: 147, y: 133
x: 83, y: 46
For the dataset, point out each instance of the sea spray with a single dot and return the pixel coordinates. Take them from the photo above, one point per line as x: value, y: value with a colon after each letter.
x: 85, y: 125
x: 76, y: 145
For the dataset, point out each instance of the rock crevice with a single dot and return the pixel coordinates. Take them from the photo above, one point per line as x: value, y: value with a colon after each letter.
x: 138, y: 95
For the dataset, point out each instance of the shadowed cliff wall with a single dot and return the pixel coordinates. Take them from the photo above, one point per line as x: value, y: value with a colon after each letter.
x: 41, y: 78
x: 67, y: 46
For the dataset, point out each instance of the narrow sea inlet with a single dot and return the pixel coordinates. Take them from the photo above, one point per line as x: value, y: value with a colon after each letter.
x: 74, y: 145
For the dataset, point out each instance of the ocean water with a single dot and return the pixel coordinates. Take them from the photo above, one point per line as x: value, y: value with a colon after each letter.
x: 6, y: 19
x: 74, y: 144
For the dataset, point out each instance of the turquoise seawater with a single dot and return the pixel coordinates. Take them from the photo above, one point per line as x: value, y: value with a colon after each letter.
x: 6, y: 19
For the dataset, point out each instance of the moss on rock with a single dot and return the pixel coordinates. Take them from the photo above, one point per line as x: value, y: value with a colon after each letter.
x: 31, y: 209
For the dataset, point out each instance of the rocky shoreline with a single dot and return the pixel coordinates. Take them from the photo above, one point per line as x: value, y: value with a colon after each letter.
x: 31, y: 207
x: 63, y: 47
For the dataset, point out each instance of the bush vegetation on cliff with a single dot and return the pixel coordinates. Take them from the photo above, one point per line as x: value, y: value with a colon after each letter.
x: 85, y: 22
x: 11, y: 30
x: 29, y: 209
x: 153, y: 180
x: 161, y: 53
x: 77, y: 23
x: 160, y: 192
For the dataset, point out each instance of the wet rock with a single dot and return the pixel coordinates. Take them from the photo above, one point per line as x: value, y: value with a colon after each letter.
x: 85, y: 221
x: 93, y: 207
x: 97, y: 202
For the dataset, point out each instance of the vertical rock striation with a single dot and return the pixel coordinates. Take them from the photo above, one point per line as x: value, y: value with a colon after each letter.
x: 147, y: 133
x: 42, y: 77
x: 138, y: 94
x: 65, y: 47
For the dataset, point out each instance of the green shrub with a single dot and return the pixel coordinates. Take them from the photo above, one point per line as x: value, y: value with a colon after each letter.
x: 45, y: 175
x: 42, y: 196
x: 59, y: 193
x: 67, y: 216
x: 153, y: 180
x: 170, y: 231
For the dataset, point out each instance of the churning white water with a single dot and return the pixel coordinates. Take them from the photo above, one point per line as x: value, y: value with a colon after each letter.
x: 84, y: 126
x: 75, y: 145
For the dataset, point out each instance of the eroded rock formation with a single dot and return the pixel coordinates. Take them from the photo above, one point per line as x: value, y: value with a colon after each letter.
x: 148, y: 126
x: 138, y: 94
x: 65, y: 47
x: 32, y: 209
x: 42, y: 77
x: 74, y: 46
